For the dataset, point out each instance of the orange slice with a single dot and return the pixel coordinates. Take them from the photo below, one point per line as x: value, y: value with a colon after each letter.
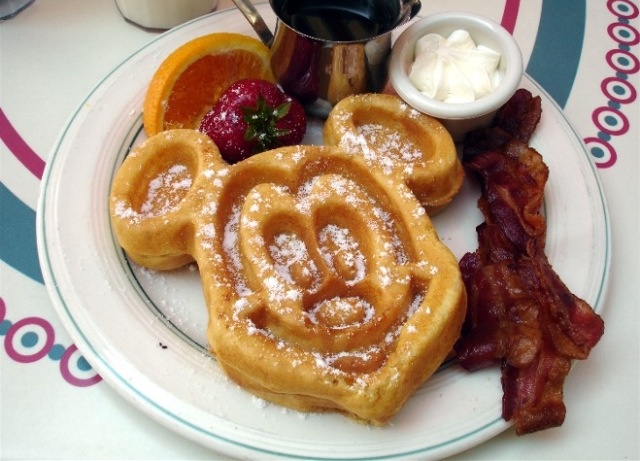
x: 191, y: 79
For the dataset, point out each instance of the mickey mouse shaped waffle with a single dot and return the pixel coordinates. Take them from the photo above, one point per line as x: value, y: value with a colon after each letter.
x: 326, y: 284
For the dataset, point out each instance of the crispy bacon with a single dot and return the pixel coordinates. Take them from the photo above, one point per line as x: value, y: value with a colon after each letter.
x: 520, y: 313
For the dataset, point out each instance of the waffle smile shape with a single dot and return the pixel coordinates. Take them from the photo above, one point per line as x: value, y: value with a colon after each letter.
x: 326, y: 284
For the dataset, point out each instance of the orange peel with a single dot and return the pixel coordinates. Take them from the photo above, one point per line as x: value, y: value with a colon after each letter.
x: 191, y: 79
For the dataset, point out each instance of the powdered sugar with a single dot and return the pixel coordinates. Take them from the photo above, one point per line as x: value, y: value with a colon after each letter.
x: 164, y: 193
x: 340, y: 250
x: 291, y: 260
x: 340, y: 313
x: 382, y: 147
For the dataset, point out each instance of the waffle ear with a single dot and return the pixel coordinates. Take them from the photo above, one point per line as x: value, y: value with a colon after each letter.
x: 400, y: 141
x: 153, y: 195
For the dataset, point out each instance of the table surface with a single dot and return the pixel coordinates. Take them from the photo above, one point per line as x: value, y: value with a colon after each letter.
x: 584, y: 53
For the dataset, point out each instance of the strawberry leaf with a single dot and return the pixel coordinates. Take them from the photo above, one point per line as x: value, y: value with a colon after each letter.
x: 261, y: 123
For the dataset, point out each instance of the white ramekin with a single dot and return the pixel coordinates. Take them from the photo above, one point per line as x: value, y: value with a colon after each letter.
x: 458, y: 118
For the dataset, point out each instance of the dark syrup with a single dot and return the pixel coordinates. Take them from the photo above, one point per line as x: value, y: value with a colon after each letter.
x: 339, y: 21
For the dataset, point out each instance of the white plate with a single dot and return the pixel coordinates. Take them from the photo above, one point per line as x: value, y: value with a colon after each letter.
x: 145, y: 332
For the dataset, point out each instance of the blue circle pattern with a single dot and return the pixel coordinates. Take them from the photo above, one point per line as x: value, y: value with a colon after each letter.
x: 4, y: 327
x: 610, y: 119
x: 56, y: 352
x: 30, y: 339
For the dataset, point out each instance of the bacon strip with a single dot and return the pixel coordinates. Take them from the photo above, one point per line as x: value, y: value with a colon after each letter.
x: 520, y: 313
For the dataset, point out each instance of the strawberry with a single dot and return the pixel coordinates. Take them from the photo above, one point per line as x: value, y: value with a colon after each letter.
x: 252, y: 116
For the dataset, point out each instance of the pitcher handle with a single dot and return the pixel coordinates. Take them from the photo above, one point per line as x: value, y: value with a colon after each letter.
x: 256, y: 21
x: 410, y: 8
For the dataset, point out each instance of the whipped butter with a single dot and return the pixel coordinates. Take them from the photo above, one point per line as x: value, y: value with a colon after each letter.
x: 454, y: 69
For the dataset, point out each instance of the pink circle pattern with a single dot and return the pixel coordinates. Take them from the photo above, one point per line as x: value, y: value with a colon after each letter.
x: 31, y: 339
x: 611, y: 120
